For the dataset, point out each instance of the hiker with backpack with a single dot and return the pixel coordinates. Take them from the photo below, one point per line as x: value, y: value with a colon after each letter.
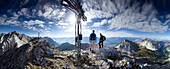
x: 92, y: 40
x: 102, y: 38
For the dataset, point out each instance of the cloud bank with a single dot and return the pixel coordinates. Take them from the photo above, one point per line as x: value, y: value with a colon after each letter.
x: 125, y: 14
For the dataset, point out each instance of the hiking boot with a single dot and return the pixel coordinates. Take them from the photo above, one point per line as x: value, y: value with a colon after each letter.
x: 93, y: 51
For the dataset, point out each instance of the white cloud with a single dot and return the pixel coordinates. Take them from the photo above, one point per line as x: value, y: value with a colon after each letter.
x: 51, y: 11
x: 48, y: 11
x: 99, y: 9
x: 117, y: 34
x: 40, y: 13
x: 62, y: 27
x: 104, y: 9
x: 31, y: 22
x: 86, y: 32
x: 125, y: 15
x: 65, y: 24
x: 12, y: 22
x: 2, y: 20
x: 98, y: 24
x: 41, y: 25
x: 39, y: 22
x: 32, y: 28
x: 51, y: 22
x: 133, y: 19
x: 24, y: 11
x: 168, y: 20
x: 97, y: 14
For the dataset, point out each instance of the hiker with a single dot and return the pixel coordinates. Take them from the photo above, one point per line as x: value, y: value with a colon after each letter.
x: 92, y: 40
x: 102, y: 38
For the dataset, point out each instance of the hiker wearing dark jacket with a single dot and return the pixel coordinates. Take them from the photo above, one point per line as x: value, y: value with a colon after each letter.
x: 92, y: 40
x: 102, y: 38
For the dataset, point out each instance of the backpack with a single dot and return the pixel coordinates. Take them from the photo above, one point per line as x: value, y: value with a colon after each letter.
x: 93, y: 37
x: 104, y: 38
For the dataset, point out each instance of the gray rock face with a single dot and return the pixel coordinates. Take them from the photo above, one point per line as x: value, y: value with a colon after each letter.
x: 110, y: 53
x: 44, y: 49
x: 34, y: 52
x: 12, y: 40
x: 127, y: 46
x: 157, y: 66
x: 16, y: 58
x: 149, y: 44
x: 19, y: 51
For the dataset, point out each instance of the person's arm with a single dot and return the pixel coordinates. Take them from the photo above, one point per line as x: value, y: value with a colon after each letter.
x: 96, y: 38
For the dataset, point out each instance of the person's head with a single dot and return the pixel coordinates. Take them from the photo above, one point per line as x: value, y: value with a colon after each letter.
x: 100, y: 34
x: 93, y: 31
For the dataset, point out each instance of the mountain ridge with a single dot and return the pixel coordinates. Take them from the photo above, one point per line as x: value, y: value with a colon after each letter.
x: 12, y: 40
x: 149, y: 44
x: 127, y: 46
x: 39, y: 53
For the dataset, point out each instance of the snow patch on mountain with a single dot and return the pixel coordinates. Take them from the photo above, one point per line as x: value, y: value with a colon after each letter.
x: 149, y: 44
x: 12, y: 40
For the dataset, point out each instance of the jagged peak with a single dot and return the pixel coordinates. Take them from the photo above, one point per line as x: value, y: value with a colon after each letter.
x: 127, y: 46
x: 147, y: 39
x: 126, y: 40
x: 14, y: 32
x: 66, y: 43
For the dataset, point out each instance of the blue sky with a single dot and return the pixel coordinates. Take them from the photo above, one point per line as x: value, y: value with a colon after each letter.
x: 113, y: 18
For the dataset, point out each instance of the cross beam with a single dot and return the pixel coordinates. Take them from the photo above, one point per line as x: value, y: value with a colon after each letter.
x: 76, y: 7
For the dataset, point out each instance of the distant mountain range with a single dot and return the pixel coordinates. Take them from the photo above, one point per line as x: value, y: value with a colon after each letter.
x: 137, y: 47
x: 68, y: 47
x: 51, y: 40
x: 20, y: 51
x: 151, y: 44
x: 110, y: 41
x: 152, y: 49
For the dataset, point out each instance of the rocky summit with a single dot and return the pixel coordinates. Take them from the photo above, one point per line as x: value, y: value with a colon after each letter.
x: 38, y: 53
x: 35, y: 52
x: 12, y: 40
x: 127, y: 47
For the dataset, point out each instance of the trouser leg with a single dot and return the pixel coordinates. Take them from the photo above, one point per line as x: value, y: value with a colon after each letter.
x: 93, y: 45
x: 99, y: 44
x: 102, y: 43
x: 90, y: 44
